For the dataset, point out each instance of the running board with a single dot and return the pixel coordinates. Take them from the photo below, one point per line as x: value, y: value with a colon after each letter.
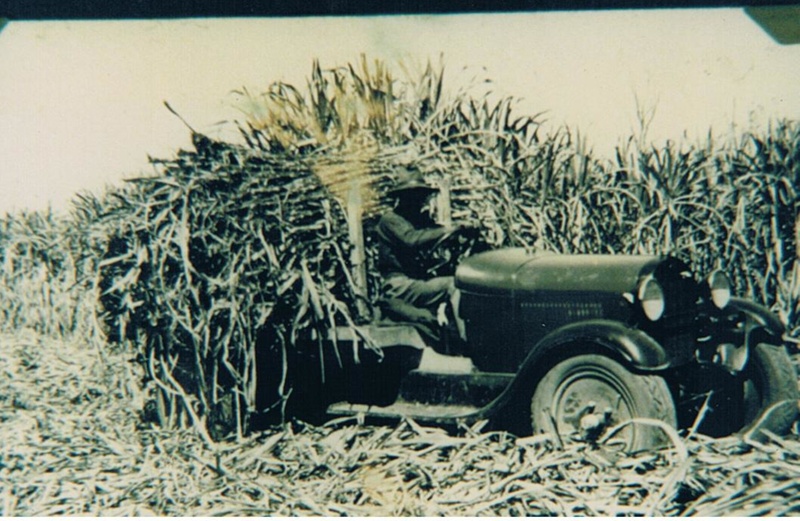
x: 472, y: 390
x: 435, y: 397
x: 402, y: 409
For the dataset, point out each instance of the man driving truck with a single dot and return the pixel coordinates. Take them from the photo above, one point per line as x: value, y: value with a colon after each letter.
x: 404, y: 234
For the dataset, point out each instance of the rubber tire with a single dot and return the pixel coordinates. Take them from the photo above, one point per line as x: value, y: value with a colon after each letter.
x: 770, y: 383
x: 645, y: 396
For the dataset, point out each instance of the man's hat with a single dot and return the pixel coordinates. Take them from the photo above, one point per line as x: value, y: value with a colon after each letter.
x: 411, y: 182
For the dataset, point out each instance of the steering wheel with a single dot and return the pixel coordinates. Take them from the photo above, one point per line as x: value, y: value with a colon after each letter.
x: 447, y: 251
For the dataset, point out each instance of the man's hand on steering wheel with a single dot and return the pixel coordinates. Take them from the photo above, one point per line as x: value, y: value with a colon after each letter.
x: 470, y: 228
x: 457, y: 242
x: 456, y: 233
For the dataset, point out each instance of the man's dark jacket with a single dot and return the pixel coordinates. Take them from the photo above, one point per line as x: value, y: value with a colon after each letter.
x: 401, y: 238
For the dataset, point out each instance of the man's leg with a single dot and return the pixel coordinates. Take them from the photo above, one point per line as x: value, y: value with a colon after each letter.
x: 434, y: 292
x: 455, y: 300
x: 429, y: 293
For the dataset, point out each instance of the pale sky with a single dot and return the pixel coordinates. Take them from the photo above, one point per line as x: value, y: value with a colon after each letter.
x: 81, y: 102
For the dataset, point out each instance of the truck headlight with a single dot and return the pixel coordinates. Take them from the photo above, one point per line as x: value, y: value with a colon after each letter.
x: 720, y: 286
x: 651, y: 297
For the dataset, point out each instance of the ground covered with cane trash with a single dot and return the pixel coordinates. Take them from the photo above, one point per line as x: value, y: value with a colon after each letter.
x: 74, y: 443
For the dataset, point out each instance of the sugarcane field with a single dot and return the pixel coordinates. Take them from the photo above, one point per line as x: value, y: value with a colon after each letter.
x: 234, y: 332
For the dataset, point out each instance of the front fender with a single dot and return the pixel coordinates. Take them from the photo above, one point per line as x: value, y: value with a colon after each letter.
x: 637, y: 348
x: 759, y: 316
x: 634, y: 347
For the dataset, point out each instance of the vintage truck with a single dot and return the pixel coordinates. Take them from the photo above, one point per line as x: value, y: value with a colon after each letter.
x: 581, y: 347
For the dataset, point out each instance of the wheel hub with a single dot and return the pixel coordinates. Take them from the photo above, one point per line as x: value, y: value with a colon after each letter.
x: 585, y: 406
x: 589, y: 424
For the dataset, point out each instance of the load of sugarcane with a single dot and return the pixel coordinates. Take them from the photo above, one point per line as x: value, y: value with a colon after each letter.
x: 217, y: 265
x: 221, y: 250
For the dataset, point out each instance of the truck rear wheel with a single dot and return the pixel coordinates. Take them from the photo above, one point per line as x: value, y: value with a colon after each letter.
x: 585, y: 396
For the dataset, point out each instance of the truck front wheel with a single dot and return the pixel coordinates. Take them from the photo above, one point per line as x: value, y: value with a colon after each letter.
x: 770, y: 392
x: 761, y: 398
x: 584, y: 397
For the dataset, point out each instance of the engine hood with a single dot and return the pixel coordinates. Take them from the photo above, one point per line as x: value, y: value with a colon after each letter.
x: 515, y: 270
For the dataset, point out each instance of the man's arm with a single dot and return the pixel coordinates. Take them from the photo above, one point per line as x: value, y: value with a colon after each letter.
x: 396, y: 228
